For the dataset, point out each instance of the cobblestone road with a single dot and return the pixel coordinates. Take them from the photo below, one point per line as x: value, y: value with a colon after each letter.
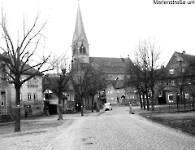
x: 116, y: 130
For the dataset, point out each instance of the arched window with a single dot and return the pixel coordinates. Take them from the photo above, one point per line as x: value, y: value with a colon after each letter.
x: 82, y: 49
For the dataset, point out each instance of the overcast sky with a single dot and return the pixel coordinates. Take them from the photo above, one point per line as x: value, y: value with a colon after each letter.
x: 113, y: 27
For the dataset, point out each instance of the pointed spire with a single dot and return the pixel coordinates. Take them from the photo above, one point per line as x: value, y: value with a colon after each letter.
x: 79, y: 33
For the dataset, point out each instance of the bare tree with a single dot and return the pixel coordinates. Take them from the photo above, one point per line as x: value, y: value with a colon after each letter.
x: 148, y: 56
x: 96, y: 81
x: 19, y: 56
x: 77, y: 77
x: 87, y: 80
x: 136, y: 79
x: 58, y: 81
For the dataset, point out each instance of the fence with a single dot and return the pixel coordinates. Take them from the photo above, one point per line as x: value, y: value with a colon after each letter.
x: 174, y: 107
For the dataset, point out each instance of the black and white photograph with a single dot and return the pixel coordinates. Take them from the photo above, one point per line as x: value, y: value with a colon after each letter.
x: 97, y: 75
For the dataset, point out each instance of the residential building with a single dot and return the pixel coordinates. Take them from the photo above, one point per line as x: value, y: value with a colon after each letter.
x: 5, y: 98
x: 31, y: 98
x: 180, y: 72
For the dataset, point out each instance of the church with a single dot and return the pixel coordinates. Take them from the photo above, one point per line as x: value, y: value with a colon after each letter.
x: 114, y: 68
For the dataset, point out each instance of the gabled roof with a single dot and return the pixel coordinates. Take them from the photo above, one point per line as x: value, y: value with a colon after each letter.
x: 183, y: 57
x: 30, y: 70
x: 111, y: 65
x: 179, y: 60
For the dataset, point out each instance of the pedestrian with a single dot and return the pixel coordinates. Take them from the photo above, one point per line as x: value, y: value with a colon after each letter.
x: 130, y: 109
x: 47, y: 110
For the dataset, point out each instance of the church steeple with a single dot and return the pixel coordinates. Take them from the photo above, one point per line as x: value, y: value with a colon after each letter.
x: 80, y: 46
x: 79, y: 33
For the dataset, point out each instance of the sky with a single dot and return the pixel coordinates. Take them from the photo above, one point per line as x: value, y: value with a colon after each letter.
x: 113, y: 27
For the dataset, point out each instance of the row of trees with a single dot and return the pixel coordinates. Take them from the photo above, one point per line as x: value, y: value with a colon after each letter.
x: 145, y: 72
x: 87, y: 81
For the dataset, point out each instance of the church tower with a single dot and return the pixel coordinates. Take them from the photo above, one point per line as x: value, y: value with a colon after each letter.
x: 80, y: 46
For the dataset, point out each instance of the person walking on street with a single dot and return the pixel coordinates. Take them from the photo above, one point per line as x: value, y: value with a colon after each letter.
x: 130, y: 108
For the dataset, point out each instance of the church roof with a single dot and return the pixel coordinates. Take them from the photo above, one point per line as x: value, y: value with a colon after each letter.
x: 79, y: 33
x: 110, y: 65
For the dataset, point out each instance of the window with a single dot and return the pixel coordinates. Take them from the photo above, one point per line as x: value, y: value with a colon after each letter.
x: 82, y: 49
x: 29, y: 96
x: 187, y: 95
x: 20, y: 96
x: 170, y: 97
x: 188, y: 81
x: 32, y: 83
x: 172, y: 82
x: 171, y: 71
x: 35, y: 96
x: 160, y: 94
x: 2, y: 98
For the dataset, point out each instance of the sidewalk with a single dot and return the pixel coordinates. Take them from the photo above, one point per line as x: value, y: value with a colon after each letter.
x: 43, y: 122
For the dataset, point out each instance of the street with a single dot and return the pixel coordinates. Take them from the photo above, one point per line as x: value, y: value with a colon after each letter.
x: 116, y: 129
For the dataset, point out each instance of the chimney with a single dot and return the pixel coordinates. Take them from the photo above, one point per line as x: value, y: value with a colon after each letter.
x: 184, y: 52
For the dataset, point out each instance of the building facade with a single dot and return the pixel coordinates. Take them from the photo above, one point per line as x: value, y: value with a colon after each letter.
x: 180, y: 73
x: 31, y: 97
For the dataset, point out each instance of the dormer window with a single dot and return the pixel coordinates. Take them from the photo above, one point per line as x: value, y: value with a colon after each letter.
x: 171, y: 71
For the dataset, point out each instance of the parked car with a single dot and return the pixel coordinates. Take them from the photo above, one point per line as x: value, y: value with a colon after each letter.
x: 107, y: 106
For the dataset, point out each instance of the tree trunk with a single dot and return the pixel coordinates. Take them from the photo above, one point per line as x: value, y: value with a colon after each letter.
x: 81, y: 106
x: 193, y: 102
x: 184, y: 100
x: 144, y: 102
x: 92, y: 103
x: 152, y: 100
x: 140, y: 99
x: 60, y: 116
x: 147, y: 101
x: 178, y: 102
x: 17, y: 109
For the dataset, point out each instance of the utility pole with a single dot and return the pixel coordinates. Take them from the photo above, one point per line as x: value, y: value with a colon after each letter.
x: 182, y: 87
